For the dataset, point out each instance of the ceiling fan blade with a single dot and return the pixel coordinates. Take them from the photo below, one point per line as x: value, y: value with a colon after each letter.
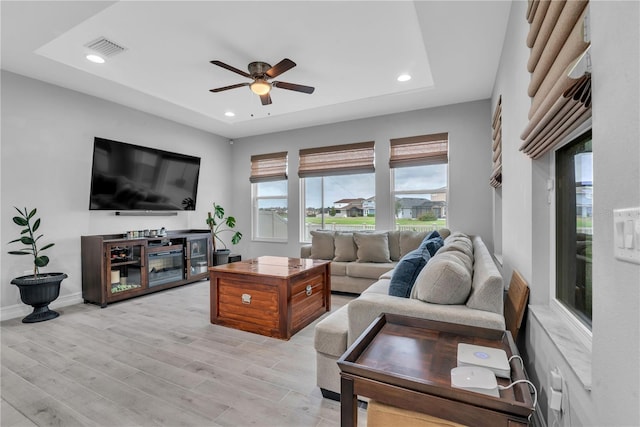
x: 230, y: 68
x: 285, y: 65
x: 293, y: 86
x: 220, y: 89
x: 265, y: 99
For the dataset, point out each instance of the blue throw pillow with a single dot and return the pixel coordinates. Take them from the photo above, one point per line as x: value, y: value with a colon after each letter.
x: 432, y: 242
x: 406, y: 272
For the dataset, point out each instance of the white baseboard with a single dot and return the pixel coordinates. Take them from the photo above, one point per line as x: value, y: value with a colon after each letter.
x: 21, y: 310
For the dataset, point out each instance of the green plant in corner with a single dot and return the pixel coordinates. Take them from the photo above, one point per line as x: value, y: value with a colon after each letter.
x: 37, y: 290
x: 29, y: 240
x: 219, y: 224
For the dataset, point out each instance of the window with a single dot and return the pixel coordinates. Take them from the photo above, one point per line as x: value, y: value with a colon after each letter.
x: 419, y: 181
x: 337, y: 188
x: 269, y: 194
x: 574, y: 229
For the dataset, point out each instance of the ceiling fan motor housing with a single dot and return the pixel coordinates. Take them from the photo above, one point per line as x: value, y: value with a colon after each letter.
x: 258, y: 69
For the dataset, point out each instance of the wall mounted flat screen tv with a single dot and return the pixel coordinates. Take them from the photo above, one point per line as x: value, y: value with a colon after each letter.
x: 129, y: 177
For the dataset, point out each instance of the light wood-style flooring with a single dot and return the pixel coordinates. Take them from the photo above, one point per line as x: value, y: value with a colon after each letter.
x: 157, y: 360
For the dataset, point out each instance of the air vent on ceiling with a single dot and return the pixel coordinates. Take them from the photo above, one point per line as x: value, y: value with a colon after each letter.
x: 105, y: 47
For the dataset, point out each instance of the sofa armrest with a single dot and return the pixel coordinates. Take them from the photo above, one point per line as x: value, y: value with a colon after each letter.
x: 364, y: 309
x: 305, y: 251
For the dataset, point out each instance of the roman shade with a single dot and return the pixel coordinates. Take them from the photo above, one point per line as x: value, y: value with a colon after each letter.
x: 419, y: 150
x: 337, y: 160
x: 561, y: 96
x: 268, y: 167
x: 495, y: 180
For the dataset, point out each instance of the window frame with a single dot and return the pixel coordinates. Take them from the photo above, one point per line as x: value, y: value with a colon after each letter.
x: 405, y: 157
x: 303, y: 202
x: 394, y: 193
x: 581, y: 331
x: 255, y: 211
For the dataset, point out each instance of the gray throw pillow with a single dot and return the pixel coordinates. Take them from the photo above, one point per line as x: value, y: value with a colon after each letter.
x: 346, y: 249
x: 394, y: 245
x: 410, y: 240
x: 322, y: 244
x: 372, y: 247
x: 444, y: 280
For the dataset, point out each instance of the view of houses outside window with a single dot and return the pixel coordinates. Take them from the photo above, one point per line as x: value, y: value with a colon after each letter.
x: 347, y: 202
x: 574, y: 228
x: 270, y: 210
x: 340, y: 203
x: 420, y: 197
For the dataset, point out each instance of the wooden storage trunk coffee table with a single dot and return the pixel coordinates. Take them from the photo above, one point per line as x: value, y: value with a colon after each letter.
x: 272, y: 296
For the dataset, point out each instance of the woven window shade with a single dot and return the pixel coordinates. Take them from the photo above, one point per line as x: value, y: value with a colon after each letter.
x: 337, y: 160
x: 557, y: 41
x: 268, y: 167
x: 419, y: 150
x: 495, y: 180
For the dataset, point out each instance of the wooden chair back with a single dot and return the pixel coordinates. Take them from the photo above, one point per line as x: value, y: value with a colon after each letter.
x: 515, y: 303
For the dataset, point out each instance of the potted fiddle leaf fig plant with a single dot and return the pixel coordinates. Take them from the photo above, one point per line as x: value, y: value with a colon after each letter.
x: 219, y: 224
x: 38, y: 289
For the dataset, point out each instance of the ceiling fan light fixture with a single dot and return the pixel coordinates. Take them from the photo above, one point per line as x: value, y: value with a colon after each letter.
x: 260, y: 87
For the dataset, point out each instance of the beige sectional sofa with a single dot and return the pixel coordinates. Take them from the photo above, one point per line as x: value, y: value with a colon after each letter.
x: 360, y: 258
x: 438, y: 280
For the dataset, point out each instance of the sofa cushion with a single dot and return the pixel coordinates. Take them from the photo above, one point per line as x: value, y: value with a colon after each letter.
x: 410, y: 240
x: 345, y: 248
x: 369, y: 270
x: 405, y: 273
x: 339, y: 268
x: 394, y: 245
x: 331, y: 333
x: 461, y: 255
x: 487, y: 287
x: 379, y: 287
x: 322, y: 245
x: 457, y: 246
x: 453, y: 235
x: 444, y: 280
x: 444, y: 232
x: 372, y: 247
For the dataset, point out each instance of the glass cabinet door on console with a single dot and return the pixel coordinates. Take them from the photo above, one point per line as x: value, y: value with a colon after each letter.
x: 125, y: 268
x: 198, y: 256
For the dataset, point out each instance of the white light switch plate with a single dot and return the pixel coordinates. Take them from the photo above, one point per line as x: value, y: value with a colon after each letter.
x: 626, y: 234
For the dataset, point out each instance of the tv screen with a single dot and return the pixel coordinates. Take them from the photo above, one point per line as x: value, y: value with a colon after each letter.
x: 131, y: 177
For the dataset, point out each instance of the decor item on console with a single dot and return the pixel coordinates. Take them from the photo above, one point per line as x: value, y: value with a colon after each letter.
x: 221, y: 256
x: 37, y: 290
x: 459, y: 284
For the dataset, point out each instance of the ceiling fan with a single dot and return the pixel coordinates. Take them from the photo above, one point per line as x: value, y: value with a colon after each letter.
x: 261, y: 73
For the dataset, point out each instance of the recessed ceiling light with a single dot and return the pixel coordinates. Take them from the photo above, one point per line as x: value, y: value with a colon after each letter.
x: 95, y: 58
x: 404, y: 77
x: 230, y: 114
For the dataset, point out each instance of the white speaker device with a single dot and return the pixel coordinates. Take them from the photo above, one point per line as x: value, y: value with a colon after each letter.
x: 494, y: 359
x: 476, y: 379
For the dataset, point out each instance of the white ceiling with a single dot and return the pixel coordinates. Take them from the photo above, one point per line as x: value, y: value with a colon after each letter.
x: 351, y: 52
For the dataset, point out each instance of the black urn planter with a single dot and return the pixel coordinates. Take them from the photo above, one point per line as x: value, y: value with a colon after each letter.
x: 39, y: 292
x: 221, y: 256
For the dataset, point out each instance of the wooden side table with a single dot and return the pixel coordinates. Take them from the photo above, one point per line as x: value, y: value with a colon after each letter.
x: 406, y: 362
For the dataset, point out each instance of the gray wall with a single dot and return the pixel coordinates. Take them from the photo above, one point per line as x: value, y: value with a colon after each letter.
x: 47, y: 146
x: 469, y: 127
x: 615, y: 356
